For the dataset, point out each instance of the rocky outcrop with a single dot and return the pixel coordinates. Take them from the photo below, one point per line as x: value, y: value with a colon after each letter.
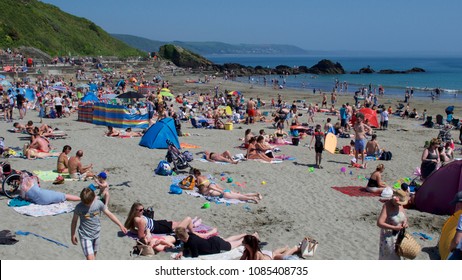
x: 184, y: 58
x: 326, y: 66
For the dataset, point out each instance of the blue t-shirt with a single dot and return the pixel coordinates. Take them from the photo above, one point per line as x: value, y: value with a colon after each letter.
x: 343, y: 113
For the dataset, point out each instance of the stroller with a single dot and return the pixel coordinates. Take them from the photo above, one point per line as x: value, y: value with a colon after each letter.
x: 179, y: 159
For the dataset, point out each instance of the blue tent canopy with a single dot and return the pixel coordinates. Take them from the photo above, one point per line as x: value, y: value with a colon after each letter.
x: 90, y: 97
x: 93, y: 87
x: 30, y: 94
x: 157, y: 135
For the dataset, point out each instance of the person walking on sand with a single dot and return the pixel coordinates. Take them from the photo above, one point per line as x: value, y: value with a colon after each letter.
x: 318, y: 144
x: 360, y: 136
x: 88, y: 211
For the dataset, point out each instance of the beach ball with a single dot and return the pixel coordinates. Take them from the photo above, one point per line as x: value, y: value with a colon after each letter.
x: 343, y: 169
x: 263, y: 182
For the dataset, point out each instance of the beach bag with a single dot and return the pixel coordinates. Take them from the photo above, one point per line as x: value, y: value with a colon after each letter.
x: 346, y: 150
x: 149, y: 213
x: 406, y: 246
x: 188, y: 156
x: 188, y: 183
x: 7, y: 237
x: 163, y: 168
x: 143, y: 250
x: 386, y: 156
x: 308, y: 247
x: 295, y: 141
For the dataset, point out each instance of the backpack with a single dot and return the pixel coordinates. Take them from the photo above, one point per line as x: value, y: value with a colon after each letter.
x: 386, y: 156
x: 163, y: 168
x: 188, y: 183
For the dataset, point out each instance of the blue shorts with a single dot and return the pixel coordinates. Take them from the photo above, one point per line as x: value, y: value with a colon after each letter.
x: 360, y: 145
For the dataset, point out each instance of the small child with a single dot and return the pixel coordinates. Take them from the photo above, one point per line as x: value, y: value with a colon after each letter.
x: 354, y: 164
x: 352, y: 147
x: 89, y: 210
x: 103, y: 187
x: 424, y: 115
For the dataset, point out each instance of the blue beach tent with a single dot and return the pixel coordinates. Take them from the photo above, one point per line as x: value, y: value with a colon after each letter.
x: 90, y: 97
x: 157, y: 135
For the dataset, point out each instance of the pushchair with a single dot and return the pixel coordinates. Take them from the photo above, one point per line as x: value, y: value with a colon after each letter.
x: 179, y: 159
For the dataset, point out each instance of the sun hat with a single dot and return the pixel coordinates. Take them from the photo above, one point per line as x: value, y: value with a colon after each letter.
x: 457, y: 198
x: 102, y: 175
x: 402, y: 196
x: 387, y: 193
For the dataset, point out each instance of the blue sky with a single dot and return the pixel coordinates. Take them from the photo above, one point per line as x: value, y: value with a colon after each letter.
x: 405, y: 26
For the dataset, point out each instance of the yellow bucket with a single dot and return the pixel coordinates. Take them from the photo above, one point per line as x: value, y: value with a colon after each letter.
x: 229, y: 126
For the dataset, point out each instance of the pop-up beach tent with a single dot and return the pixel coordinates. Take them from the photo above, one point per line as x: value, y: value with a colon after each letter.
x: 438, y: 190
x: 90, y: 97
x: 369, y: 115
x: 157, y: 135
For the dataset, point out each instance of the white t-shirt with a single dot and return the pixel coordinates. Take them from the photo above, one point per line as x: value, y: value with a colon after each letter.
x: 384, y: 116
x: 58, y: 101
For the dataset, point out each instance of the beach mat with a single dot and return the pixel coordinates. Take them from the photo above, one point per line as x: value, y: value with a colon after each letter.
x: 50, y: 175
x: 234, y: 254
x: 355, y: 191
x: 36, y: 210
x: 189, y: 146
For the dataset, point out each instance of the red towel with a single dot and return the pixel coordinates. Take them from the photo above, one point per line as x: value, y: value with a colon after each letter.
x: 355, y: 191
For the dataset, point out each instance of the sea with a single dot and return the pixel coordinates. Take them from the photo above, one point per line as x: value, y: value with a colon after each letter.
x: 441, y: 72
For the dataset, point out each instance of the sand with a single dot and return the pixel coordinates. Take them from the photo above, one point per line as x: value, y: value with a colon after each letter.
x: 296, y: 202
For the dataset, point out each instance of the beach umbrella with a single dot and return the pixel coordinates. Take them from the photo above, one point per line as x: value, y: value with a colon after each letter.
x: 234, y: 93
x: 5, y: 83
x: 58, y: 84
x: 165, y: 89
x: 166, y: 94
x: 90, y: 97
x: 109, y: 96
x: 82, y: 86
x: 59, y: 88
x: 130, y: 95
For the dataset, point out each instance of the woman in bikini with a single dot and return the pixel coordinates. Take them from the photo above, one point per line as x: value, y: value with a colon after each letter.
x: 264, y: 147
x: 253, y: 153
x: 252, y: 250
x: 224, y: 157
x: 208, y: 188
x: 375, y: 183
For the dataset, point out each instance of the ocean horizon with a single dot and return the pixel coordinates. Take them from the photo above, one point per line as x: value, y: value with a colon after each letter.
x: 441, y: 72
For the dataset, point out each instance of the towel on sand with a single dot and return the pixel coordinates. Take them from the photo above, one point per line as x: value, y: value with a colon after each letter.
x: 356, y: 191
x: 36, y: 210
x: 215, y: 199
x: 50, y: 175
x: 189, y: 146
x: 234, y: 254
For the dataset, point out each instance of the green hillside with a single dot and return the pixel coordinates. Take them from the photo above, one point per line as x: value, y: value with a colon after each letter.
x: 43, y: 26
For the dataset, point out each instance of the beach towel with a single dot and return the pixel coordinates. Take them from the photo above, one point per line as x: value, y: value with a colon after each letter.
x: 234, y: 254
x: 219, y: 162
x: 189, y: 146
x: 356, y: 191
x: 50, y: 175
x: 284, y: 157
x: 215, y: 199
x: 36, y: 210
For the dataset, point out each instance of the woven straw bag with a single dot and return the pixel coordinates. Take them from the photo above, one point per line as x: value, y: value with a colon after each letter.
x: 406, y: 245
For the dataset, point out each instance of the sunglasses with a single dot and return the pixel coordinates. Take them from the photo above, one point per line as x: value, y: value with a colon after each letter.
x: 140, y: 210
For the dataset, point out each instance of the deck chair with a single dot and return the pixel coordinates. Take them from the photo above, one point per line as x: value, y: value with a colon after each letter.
x: 195, y: 124
x: 439, y: 120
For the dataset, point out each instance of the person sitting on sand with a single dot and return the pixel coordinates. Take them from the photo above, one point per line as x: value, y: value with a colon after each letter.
x: 247, y: 136
x: 372, y: 147
x: 103, y: 187
x: 264, y: 147
x: 252, y: 251
x: 223, y: 157
x: 198, y: 246
x: 375, y: 183
x: 353, y: 163
x: 63, y: 160
x: 143, y: 226
x: 253, y: 153
x: 77, y: 170
x: 41, y: 144
x: 280, y: 135
x: 208, y: 188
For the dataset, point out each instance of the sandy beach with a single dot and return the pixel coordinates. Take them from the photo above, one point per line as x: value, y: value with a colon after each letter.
x: 296, y: 202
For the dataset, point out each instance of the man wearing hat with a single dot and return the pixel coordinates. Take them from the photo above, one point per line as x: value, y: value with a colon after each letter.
x: 456, y: 244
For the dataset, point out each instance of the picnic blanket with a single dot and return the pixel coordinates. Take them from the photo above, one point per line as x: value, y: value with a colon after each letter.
x: 189, y: 146
x: 36, y: 210
x: 50, y: 175
x: 215, y: 199
x: 355, y: 191
x: 234, y: 254
x: 219, y: 162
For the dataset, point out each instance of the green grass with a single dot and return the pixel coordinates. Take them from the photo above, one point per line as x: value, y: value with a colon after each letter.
x: 35, y: 24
